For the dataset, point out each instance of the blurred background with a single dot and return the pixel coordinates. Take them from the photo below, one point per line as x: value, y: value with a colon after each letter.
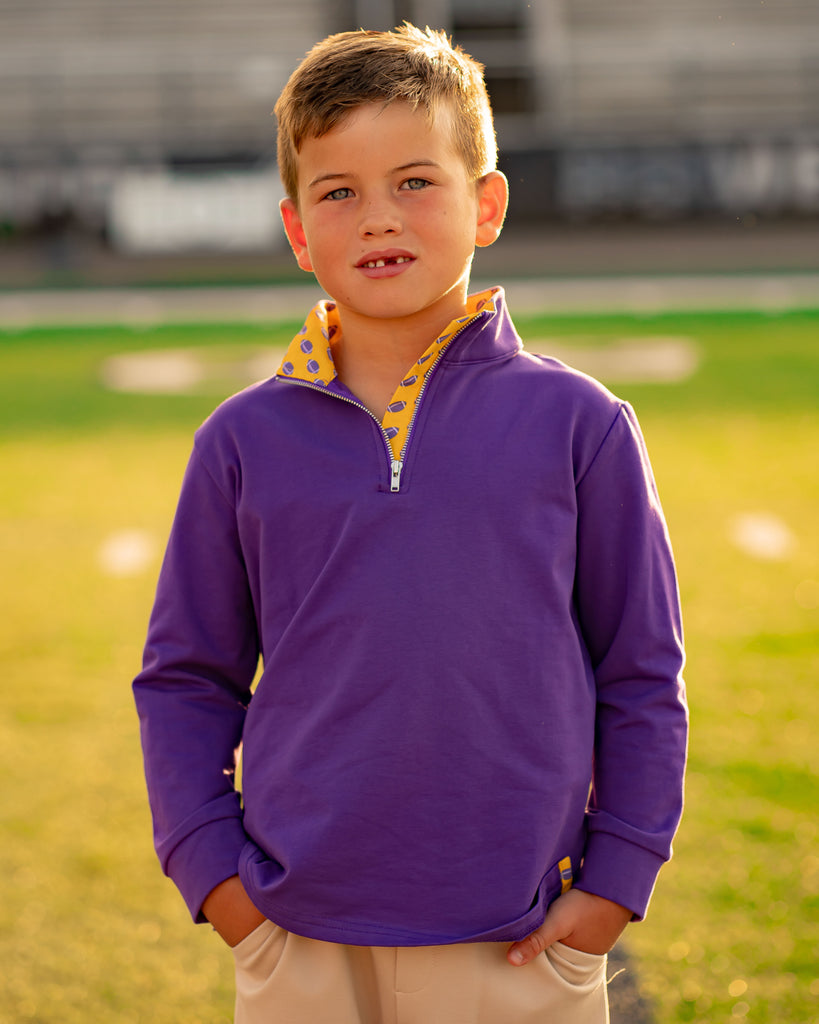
x: 137, y: 141
x: 663, y: 235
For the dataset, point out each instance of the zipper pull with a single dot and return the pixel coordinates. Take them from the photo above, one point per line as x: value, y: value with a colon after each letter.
x: 395, y: 476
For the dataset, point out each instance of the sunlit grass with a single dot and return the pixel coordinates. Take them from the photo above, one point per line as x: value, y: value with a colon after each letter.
x: 89, y: 930
x: 733, y: 932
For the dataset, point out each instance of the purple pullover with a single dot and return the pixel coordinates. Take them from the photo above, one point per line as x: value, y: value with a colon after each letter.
x: 465, y: 681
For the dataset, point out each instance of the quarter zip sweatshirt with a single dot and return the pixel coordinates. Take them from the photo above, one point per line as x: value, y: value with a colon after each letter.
x: 471, y: 692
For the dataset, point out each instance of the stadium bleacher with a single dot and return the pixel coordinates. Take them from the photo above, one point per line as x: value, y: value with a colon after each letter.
x: 158, y: 74
x: 92, y: 88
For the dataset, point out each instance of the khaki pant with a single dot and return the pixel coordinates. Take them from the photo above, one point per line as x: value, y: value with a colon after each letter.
x: 282, y: 978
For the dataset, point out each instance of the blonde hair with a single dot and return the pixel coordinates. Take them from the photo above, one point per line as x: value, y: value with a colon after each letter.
x: 349, y: 69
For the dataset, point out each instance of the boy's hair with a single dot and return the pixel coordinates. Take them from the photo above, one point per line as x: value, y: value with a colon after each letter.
x: 349, y: 69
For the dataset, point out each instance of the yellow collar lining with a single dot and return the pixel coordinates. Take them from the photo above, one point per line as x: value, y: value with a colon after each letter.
x: 309, y: 358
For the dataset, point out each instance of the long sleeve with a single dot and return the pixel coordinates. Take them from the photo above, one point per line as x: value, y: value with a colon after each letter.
x: 626, y: 592
x: 192, y: 694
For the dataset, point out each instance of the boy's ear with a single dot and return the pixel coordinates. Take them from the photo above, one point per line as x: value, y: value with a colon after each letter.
x: 294, y: 229
x: 493, y: 198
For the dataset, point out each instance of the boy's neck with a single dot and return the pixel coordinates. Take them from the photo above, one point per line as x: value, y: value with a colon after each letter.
x: 372, y: 356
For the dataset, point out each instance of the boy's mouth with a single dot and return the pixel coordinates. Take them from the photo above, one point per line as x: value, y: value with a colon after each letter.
x: 385, y: 263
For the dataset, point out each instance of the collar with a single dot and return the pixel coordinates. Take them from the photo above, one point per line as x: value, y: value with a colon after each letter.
x: 309, y: 357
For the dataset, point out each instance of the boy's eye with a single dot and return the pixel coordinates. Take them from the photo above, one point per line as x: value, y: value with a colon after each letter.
x: 415, y: 184
x: 339, y: 193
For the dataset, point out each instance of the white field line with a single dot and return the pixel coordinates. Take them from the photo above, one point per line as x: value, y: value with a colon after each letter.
x: 144, y: 307
x: 127, y: 553
x: 762, y: 535
x: 203, y: 371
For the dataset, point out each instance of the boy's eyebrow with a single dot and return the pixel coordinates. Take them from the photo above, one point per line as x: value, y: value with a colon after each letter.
x: 332, y: 176
x: 337, y: 175
x: 415, y: 163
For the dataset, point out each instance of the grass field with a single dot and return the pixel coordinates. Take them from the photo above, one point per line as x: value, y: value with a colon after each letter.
x: 90, y: 931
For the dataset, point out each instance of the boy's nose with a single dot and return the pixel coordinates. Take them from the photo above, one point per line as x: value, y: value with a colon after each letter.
x: 379, y: 218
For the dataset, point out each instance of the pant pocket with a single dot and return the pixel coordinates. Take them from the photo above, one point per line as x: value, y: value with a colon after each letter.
x: 261, y: 950
x: 581, y: 970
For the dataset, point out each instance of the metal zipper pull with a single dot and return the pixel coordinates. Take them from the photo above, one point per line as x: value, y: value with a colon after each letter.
x: 395, y: 477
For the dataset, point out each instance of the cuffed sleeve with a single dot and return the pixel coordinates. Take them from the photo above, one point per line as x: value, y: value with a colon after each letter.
x: 629, y: 613
x: 207, y: 854
x: 194, y: 688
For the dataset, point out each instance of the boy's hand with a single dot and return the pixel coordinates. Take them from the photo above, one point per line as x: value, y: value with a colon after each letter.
x: 231, y: 912
x: 577, y: 919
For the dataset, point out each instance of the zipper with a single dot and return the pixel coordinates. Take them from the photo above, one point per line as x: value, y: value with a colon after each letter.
x: 396, y: 465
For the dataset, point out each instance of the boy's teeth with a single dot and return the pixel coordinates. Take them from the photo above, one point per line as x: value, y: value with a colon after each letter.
x: 383, y: 263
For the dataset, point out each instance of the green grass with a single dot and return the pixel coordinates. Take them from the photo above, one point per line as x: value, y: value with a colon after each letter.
x: 89, y: 930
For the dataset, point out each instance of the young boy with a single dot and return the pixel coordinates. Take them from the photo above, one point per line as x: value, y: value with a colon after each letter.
x: 462, y: 763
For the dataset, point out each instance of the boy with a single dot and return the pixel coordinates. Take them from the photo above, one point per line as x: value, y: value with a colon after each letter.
x: 462, y: 763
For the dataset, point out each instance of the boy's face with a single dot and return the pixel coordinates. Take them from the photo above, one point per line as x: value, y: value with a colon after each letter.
x: 387, y: 217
